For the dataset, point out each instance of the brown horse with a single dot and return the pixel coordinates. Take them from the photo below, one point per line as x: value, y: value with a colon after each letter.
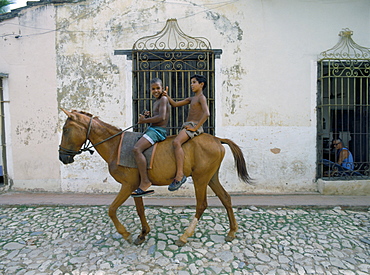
x: 203, y: 157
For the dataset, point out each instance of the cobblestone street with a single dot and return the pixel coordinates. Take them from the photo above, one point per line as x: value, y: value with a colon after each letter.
x: 274, y: 240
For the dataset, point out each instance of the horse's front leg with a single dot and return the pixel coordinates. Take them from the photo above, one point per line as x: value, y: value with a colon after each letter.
x: 200, y: 186
x: 144, y: 224
x: 122, y: 196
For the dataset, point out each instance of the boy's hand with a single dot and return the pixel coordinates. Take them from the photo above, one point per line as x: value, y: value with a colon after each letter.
x: 190, y: 128
x: 143, y: 116
x: 141, y: 119
x: 165, y: 92
x: 146, y: 113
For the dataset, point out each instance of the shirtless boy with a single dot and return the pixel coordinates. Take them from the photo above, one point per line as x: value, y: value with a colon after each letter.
x: 198, y: 114
x: 155, y: 133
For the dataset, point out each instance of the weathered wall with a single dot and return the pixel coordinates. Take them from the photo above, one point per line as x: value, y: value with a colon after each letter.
x: 29, y: 61
x: 266, y: 80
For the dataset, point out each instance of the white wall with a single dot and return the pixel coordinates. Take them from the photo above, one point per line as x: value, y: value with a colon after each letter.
x: 29, y: 61
x: 266, y: 92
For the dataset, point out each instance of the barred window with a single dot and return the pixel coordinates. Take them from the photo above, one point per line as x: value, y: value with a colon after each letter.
x: 174, y: 57
x: 175, y: 69
x: 343, y: 109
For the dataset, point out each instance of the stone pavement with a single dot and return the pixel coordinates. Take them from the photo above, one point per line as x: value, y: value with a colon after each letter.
x: 72, y: 234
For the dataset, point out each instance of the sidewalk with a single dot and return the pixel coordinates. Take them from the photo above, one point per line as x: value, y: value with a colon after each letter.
x: 317, y: 200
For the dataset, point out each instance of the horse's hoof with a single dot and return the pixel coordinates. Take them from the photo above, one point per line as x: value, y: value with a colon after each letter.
x: 129, y: 239
x: 180, y: 243
x: 229, y: 238
x: 139, y: 241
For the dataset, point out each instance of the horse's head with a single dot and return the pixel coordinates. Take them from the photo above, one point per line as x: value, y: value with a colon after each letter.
x: 74, y: 135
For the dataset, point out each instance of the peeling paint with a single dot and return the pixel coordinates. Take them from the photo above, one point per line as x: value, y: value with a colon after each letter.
x: 232, y: 31
x: 233, y: 95
x: 33, y: 131
x: 85, y: 82
x: 275, y: 150
x: 235, y: 72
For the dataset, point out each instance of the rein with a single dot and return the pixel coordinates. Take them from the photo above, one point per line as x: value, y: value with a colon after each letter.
x: 87, y: 144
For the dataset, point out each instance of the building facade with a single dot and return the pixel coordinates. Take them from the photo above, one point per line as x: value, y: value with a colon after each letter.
x: 263, y: 63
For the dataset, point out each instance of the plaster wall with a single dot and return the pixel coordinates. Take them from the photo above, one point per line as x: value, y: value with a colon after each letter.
x: 28, y: 57
x: 265, y: 92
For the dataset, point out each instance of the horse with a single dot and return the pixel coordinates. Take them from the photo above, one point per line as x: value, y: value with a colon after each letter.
x: 203, y: 157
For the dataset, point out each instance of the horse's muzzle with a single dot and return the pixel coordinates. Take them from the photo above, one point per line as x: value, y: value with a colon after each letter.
x: 66, y: 159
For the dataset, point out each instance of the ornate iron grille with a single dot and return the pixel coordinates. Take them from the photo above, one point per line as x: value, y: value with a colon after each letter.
x: 343, y: 108
x: 173, y: 57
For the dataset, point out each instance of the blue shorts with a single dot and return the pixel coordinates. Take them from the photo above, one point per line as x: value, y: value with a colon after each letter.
x: 155, y: 134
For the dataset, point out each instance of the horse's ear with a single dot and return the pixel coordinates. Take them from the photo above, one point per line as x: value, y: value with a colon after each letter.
x: 69, y: 114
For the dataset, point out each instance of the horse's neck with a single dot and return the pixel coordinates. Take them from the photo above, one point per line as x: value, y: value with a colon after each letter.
x: 106, y: 147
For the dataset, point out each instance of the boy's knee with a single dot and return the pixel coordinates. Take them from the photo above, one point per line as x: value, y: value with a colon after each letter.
x: 176, y: 143
x: 136, y: 150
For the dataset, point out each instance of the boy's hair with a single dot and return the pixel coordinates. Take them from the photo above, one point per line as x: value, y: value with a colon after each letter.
x: 156, y: 80
x: 200, y: 79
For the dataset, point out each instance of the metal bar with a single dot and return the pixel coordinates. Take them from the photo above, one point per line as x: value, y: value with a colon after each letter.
x: 2, y: 129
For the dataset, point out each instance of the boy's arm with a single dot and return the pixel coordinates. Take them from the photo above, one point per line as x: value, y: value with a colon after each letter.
x: 174, y: 103
x: 205, y: 109
x: 162, y: 113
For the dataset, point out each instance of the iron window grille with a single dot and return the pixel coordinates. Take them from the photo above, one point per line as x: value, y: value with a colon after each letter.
x: 174, y: 57
x: 343, y: 108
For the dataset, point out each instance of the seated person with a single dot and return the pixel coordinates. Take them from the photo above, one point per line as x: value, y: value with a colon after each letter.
x: 198, y: 114
x: 344, y: 156
x: 344, y: 164
x: 155, y: 133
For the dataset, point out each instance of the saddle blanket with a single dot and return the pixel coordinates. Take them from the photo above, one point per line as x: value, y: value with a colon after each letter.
x: 125, y: 154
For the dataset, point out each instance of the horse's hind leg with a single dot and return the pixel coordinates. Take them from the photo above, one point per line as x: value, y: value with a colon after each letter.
x: 226, y: 201
x: 144, y: 224
x: 118, y: 201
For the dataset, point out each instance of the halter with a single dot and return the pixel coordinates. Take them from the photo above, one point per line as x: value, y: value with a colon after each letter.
x: 87, y: 143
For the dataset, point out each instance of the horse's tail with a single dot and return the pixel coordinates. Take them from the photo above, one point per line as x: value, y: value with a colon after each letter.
x: 239, y: 159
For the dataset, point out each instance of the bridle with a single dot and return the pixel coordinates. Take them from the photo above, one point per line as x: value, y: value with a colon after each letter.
x: 87, y: 143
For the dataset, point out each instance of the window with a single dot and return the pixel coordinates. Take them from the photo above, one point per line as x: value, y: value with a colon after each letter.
x: 175, y: 68
x: 174, y: 57
x: 344, y: 109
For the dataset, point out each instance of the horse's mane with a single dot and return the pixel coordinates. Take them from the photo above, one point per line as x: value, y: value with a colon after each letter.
x: 100, y: 121
x: 83, y: 113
